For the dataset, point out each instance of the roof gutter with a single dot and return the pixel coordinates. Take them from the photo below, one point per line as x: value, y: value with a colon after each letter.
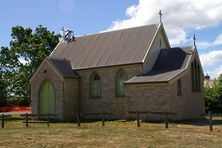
x: 154, y: 82
x: 107, y: 66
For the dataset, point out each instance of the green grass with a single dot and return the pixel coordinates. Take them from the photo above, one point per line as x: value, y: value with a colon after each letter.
x: 113, y: 134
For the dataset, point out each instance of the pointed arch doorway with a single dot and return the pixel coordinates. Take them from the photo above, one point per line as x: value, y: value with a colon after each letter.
x: 47, y: 98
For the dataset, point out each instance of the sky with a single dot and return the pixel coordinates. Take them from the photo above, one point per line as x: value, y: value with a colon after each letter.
x: 181, y: 19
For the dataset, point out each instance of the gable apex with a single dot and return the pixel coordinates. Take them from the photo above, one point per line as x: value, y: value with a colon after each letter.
x: 45, y: 61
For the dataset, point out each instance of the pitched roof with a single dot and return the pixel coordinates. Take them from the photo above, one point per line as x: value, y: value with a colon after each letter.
x: 127, y: 46
x: 64, y: 67
x: 170, y: 63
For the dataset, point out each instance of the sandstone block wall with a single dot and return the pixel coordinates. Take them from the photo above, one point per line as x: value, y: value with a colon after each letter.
x: 108, y: 101
x: 71, y: 98
x: 190, y: 105
x: 161, y: 98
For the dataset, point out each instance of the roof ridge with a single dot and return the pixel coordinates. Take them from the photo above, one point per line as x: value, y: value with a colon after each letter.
x: 122, y: 29
x: 119, y: 47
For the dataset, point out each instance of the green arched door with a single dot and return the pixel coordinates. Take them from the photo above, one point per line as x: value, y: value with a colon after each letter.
x: 47, y: 98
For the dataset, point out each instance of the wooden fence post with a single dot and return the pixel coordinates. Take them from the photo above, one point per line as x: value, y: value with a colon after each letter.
x: 166, y: 119
x: 138, y: 119
x: 78, y: 119
x: 103, y: 119
x: 3, y: 120
x: 26, y: 120
x: 210, y: 121
x: 48, y: 118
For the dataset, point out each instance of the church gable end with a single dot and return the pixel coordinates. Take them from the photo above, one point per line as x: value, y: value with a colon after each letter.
x: 65, y: 101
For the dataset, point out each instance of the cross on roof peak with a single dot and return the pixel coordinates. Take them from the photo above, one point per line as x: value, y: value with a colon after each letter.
x: 194, y: 39
x: 160, y: 13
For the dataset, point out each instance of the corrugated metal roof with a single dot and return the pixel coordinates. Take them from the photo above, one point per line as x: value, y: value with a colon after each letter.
x: 170, y: 63
x: 64, y: 67
x: 119, y: 47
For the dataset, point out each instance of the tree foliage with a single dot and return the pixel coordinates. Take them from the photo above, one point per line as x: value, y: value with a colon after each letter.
x: 18, y: 62
x: 213, y: 96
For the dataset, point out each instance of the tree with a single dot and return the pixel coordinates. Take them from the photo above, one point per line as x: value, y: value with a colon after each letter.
x: 24, y: 54
x: 213, y: 96
x: 3, y: 92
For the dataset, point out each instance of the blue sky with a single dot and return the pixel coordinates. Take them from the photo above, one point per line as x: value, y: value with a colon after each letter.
x: 181, y: 19
x: 82, y: 16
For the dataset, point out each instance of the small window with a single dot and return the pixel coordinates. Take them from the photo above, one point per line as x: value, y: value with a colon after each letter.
x: 95, y: 85
x: 179, y: 89
x: 121, y: 77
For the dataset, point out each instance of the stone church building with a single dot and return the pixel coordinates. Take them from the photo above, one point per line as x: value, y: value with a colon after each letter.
x: 118, y: 72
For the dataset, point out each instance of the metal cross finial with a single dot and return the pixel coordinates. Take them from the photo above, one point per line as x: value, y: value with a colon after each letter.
x: 194, y: 40
x: 160, y: 13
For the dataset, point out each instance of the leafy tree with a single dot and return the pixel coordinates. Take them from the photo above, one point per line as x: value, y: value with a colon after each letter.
x: 19, y: 61
x: 213, y: 96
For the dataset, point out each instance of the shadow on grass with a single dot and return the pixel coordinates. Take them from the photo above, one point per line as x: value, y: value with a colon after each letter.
x: 196, y: 122
x: 201, y: 122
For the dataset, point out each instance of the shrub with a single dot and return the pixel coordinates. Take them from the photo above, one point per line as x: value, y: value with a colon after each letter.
x: 24, y: 102
x: 3, y: 102
x: 12, y: 102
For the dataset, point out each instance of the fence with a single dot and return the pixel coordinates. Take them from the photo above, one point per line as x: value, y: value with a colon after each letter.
x: 166, y: 114
x: 210, y: 119
x: 27, y: 119
x: 98, y: 113
x: 48, y: 117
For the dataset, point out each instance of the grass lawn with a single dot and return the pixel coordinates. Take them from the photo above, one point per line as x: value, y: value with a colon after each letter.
x: 113, y: 134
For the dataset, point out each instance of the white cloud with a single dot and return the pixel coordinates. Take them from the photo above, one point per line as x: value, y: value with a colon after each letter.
x: 212, y: 63
x: 211, y: 58
x: 203, y: 44
x: 218, y: 40
x: 206, y: 44
x: 178, y: 15
x: 215, y: 73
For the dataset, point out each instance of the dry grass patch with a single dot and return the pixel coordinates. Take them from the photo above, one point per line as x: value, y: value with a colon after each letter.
x: 113, y: 134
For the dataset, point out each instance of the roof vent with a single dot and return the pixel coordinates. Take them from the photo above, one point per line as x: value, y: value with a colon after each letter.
x: 67, y: 35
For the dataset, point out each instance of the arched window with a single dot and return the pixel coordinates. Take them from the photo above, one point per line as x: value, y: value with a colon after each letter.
x: 193, y: 77
x: 160, y: 43
x: 196, y: 78
x: 121, y: 77
x: 179, y: 88
x: 196, y: 75
x: 95, y: 85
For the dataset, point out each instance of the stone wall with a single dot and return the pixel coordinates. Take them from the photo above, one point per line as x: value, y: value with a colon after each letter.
x: 163, y: 97
x: 190, y: 105
x: 71, y: 98
x: 108, y: 101
x: 147, y: 97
